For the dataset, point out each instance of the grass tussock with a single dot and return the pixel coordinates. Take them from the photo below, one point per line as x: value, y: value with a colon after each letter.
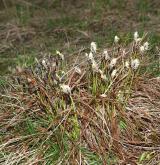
x: 86, y: 114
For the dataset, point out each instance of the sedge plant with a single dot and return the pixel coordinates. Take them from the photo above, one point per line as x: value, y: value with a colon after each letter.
x: 80, y: 116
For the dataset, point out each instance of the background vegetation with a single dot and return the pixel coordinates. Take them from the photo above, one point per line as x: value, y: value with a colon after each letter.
x: 31, y: 28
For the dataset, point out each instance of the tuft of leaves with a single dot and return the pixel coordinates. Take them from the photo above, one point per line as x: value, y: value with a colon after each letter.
x: 93, y: 123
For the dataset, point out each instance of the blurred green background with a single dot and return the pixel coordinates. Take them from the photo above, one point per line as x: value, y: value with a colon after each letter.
x: 28, y: 29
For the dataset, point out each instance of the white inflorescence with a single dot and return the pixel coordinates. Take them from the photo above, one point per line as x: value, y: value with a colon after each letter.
x: 103, y: 77
x: 127, y: 64
x: 142, y: 49
x: 77, y: 70
x: 146, y: 46
x: 93, y: 47
x: 95, y: 66
x: 66, y: 89
x: 44, y: 63
x: 116, y: 39
x: 139, y: 40
x: 106, y: 55
x: 100, y: 71
x: 87, y: 55
x: 113, y: 62
x: 60, y: 54
x: 123, y: 52
x: 135, y: 64
x: 90, y: 56
x: 136, y: 36
x: 103, y: 95
x: 114, y: 72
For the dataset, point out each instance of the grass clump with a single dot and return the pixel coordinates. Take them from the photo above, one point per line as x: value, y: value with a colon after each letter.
x: 54, y: 115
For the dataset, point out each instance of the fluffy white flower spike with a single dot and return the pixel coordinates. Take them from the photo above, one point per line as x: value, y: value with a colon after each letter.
x: 116, y: 39
x: 123, y: 52
x: 127, y: 64
x: 146, y: 46
x: 90, y: 56
x: 114, y: 72
x: 95, y: 66
x: 142, y: 49
x: 29, y: 80
x: 136, y: 36
x: 103, y: 77
x: 78, y: 70
x: 60, y: 55
x: 66, y: 89
x: 113, y: 62
x: 93, y: 47
x: 44, y: 63
x: 106, y: 55
x: 139, y: 40
x: 103, y: 95
x: 100, y: 71
x: 87, y: 55
x: 63, y: 72
x: 135, y: 64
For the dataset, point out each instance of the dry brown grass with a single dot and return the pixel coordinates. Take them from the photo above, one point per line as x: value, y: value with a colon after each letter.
x: 41, y: 124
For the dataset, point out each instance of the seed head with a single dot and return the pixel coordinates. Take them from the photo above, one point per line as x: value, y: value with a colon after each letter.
x: 78, y: 70
x: 113, y: 62
x: 127, y: 64
x: 60, y: 55
x: 142, y: 49
x: 123, y: 52
x: 116, y: 39
x: 146, y: 46
x: 103, y: 95
x: 95, y: 66
x: 103, y: 77
x: 106, y: 55
x: 139, y: 40
x: 90, y: 56
x: 44, y: 63
x: 66, y: 89
x: 63, y: 72
x: 114, y: 72
x: 29, y: 80
x: 93, y: 47
x: 135, y: 64
x: 136, y: 35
